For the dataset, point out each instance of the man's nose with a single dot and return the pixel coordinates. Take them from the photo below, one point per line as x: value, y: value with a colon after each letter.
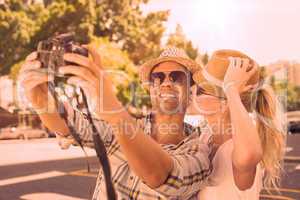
x: 167, y: 81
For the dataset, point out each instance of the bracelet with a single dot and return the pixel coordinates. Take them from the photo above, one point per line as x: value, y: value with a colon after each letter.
x: 228, y: 85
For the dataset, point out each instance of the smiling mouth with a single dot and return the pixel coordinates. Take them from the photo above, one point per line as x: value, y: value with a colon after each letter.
x: 167, y: 96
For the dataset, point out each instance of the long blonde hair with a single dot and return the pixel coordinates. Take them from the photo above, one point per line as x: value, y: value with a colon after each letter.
x: 270, y: 122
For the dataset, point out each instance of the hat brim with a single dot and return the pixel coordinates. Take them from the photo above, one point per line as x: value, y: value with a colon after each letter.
x: 146, y: 69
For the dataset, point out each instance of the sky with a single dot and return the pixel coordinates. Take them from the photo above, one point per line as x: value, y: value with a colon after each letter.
x: 266, y: 30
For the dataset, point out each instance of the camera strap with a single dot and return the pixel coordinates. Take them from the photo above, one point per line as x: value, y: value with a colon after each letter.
x: 98, y: 143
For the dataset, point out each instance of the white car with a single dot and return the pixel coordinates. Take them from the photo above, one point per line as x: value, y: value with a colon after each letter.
x: 22, y: 133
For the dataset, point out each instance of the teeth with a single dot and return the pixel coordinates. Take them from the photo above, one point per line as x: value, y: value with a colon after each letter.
x: 168, y: 95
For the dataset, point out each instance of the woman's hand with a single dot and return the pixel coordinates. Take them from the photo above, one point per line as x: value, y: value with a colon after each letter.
x: 95, y: 82
x: 238, y: 73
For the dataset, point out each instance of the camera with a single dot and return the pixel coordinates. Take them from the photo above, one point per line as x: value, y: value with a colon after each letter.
x: 51, y: 53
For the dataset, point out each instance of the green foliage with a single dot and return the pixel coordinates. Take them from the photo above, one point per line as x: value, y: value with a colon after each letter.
x: 125, y: 36
x: 124, y: 73
x: 178, y: 39
x: 22, y: 26
x: 288, y: 93
x: 204, y: 58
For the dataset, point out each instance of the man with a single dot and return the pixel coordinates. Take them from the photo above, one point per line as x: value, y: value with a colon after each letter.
x: 154, y: 158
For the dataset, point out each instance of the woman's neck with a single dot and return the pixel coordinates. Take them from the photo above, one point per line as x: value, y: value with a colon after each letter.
x: 168, y: 129
x: 220, y: 128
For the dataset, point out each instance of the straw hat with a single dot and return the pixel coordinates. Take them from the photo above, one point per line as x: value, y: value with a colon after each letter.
x: 168, y: 54
x: 212, y: 75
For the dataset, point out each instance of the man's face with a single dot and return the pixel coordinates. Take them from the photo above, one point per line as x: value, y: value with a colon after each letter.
x: 170, y: 88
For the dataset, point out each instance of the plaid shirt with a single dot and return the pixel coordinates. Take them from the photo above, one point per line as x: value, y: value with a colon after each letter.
x: 190, y: 170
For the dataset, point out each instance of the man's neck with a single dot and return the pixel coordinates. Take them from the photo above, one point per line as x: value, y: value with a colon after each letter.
x: 168, y: 129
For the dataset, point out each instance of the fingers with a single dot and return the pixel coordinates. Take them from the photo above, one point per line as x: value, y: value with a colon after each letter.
x: 245, y: 63
x: 33, y: 79
x: 77, y: 59
x: 87, y: 88
x: 30, y: 65
x: 78, y: 71
x: 231, y: 62
x: 32, y: 56
x: 81, y: 61
x: 253, y: 69
x: 238, y: 62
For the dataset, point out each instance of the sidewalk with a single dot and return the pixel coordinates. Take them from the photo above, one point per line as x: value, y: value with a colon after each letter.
x: 31, y: 151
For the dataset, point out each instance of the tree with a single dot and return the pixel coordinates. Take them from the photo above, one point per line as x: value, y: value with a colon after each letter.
x: 124, y: 73
x: 178, y: 39
x: 22, y: 26
x: 288, y: 94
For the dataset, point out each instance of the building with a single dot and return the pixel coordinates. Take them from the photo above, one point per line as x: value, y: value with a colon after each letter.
x: 285, y: 70
x: 294, y: 74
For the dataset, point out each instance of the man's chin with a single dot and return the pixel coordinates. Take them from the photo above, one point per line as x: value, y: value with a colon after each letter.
x: 169, y: 107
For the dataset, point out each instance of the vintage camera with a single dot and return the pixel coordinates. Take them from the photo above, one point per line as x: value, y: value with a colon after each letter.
x: 51, y: 52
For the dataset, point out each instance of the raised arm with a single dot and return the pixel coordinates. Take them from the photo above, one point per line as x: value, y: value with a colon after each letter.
x: 34, y: 80
x: 146, y: 157
x: 247, y: 151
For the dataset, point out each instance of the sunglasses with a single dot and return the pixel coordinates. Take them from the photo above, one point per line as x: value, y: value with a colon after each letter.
x: 178, y: 77
x: 201, y: 91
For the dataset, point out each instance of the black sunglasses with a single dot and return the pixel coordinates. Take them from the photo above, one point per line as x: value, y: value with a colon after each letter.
x: 201, y: 91
x: 174, y: 76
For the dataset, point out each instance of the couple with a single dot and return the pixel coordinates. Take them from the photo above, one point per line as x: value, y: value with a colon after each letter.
x: 161, y: 157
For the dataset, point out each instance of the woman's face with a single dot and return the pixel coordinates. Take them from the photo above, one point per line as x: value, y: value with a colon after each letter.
x: 207, y: 104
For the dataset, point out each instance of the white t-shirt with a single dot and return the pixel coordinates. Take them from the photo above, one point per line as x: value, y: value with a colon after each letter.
x: 221, y: 181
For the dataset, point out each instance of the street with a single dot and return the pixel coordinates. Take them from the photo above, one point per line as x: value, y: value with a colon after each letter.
x: 39, y: 169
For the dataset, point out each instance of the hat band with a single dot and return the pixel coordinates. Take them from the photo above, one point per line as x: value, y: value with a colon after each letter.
x: 220, y: 83
x: 212, y: 79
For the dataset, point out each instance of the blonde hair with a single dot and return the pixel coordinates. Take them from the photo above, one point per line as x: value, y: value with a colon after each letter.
x: 272, y: 132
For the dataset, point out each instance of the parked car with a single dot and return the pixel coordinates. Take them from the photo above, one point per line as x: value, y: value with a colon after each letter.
x: 293, y: 122
x: 22, y: 133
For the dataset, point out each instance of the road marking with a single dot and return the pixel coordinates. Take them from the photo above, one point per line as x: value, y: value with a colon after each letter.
x: 32, y: 177
x: 48, y: 196
x: 285, y: 190
x: 292, y: 158
x: 275, y: 197
x: 83, y: 173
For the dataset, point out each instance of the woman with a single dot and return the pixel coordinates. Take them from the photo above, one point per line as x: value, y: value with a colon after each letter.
x: 243, y: 127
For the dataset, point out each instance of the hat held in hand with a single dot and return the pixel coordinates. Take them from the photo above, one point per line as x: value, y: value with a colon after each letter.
x: 211, y: 76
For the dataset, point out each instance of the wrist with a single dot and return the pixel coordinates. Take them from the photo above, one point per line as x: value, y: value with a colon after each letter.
x: 231, y: 91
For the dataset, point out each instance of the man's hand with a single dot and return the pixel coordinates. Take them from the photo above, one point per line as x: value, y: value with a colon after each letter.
x: 34, y: 80
x: 95, y: 82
